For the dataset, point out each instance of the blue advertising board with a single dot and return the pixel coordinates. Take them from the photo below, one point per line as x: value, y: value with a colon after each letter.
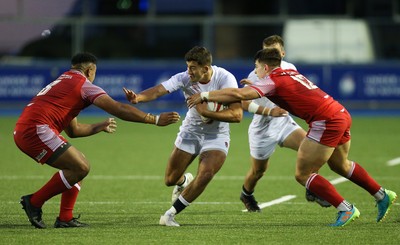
x: 372, y: 82
x: 366, y: 83
x: 18, y: 84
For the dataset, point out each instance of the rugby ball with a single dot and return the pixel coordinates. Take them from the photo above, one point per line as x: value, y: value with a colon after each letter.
x: 212, y: 106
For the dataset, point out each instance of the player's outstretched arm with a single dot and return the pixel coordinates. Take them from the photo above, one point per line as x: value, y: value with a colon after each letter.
x: 130, y: 95
x: 167, y: 118
x: 146, y: 95
x: 76, y: 129
x: 130, y: 113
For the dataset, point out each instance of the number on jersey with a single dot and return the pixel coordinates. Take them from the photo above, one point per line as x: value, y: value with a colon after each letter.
x: 47, y: 88
x: 304, y: 81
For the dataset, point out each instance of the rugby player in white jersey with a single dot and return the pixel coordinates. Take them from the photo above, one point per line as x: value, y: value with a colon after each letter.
x: 208, y: 139
x: 265, y: 132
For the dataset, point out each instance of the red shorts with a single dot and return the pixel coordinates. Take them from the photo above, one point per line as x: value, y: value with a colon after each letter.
x: 40, y: 142
x: 332, y: 132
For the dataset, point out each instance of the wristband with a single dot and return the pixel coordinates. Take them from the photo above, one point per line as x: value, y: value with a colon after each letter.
x: 204, y: 96
x: 269, y: 111
x: 253, y: 107
x: 150, y: 118
x: 157, y: 118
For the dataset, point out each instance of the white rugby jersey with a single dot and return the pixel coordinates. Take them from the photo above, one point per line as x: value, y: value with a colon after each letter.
x: 220, y: 79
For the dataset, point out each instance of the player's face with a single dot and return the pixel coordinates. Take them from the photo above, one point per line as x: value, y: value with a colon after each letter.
x: 195, y: 71
x: 260, y: 69
x: 92, y: 72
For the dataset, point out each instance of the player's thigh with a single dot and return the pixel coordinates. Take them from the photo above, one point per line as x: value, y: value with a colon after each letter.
x: 210, y: 162
x: 178, y: 163
x: 213, y: 153
x: 311, y: 156
x: 71, y: 159
x: 294, y: 139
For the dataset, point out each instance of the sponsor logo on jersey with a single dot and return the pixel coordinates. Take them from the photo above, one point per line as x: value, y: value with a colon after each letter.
x: 41, y: 155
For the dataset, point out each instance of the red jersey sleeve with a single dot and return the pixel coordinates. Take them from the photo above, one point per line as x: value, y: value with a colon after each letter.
x: 90, y: 92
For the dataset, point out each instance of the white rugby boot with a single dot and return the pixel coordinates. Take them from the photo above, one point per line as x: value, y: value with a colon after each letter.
x: 179, y: 188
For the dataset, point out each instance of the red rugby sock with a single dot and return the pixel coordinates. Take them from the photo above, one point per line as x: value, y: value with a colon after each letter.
x: 68, y: 199
x: 361, y: 177
x: 53, y: 187
x: 324, y: 189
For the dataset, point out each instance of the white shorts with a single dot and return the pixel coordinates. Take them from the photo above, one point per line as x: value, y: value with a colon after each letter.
x: 195, y: 143
x: 264, y: 138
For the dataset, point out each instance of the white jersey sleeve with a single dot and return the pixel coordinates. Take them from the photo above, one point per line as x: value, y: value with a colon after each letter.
x: 287, y: 66
x: 176, y: 82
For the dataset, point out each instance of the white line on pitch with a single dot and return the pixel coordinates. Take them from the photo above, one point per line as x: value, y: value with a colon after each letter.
x: 289, y: 197
x: 133, y: 177
x: 338, y: 180
x: 273, y: 202
x: 155, y: 177
x: 394, y: 162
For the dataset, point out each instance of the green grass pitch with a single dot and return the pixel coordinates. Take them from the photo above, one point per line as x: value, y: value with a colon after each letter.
x: 124, y: 195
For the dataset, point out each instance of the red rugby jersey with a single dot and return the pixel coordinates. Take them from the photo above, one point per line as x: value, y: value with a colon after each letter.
x: 295, y: 93
x: 61, y: 101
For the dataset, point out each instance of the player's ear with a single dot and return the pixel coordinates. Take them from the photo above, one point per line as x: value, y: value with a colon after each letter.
x: 86, y: 72
x: 206, y: 68
x: 90, y: 71
x: 266, y: 68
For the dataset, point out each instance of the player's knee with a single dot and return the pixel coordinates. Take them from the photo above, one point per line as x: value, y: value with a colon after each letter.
x: 301, y: 178
x: 204, y: 177
x: 258, y: 173
x: 170, y: 180
x: 83, y: 170
x: 342, y: 168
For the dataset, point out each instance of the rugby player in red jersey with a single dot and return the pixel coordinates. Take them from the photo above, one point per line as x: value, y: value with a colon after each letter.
x: 328, y: 137
x: 55, y: 109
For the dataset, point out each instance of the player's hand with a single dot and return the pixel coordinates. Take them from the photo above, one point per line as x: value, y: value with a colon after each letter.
x: 130, y: 95
x: 246, y: 82
x: 201, y: 108
x: 167, y: 118
x: 193, y: 100
x: 278, y: 112
x: 110, y: 125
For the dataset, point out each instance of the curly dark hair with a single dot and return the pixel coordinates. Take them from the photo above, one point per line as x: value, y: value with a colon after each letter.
x: 82, y: 58
x: 200, y: 55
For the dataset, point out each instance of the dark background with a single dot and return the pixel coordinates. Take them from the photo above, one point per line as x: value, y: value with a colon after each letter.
x: 162, y: 29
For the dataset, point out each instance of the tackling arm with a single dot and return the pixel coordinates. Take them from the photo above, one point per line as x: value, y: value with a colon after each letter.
x: 252, y: 107
x: 131, y: 113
